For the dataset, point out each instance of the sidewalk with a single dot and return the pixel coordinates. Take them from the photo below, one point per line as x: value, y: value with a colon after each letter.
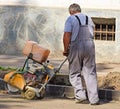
x: 18, y: 61
x: 12, y: 61
x: 16, y: 102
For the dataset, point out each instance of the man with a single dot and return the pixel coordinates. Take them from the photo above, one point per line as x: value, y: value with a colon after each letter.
x: 80, y: 50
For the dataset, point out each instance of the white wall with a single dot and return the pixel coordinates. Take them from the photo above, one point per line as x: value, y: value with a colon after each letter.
x: 100, y: 4
x: 11, y: 16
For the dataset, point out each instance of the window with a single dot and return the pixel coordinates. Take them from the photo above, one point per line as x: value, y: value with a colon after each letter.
x: 104, y: 29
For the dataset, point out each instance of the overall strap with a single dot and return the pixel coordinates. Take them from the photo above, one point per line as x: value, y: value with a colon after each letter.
x: 77, y: 38
x: 80, y: 21
x: 86, y: 20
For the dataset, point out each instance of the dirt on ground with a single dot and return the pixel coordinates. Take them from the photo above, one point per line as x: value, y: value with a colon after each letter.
x: 110, y: 81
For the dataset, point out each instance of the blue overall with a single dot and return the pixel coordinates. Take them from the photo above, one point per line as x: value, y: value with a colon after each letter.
x: 82, y: 62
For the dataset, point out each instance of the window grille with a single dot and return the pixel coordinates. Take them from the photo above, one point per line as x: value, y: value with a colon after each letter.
x: 104, y: 29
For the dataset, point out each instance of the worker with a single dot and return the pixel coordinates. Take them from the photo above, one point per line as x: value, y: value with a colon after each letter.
x: 80, y: 50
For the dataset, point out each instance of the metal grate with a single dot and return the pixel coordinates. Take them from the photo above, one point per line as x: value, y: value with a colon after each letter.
x: 104, y: 29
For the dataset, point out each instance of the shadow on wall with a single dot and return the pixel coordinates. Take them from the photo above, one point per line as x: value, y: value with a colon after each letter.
x: 20, y: 23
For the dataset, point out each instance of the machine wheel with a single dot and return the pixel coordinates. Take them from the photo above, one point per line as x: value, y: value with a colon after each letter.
x: 30, y: 94
x: 12, y: 89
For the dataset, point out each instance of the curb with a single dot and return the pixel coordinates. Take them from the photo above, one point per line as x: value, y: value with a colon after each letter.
x: 108, y: 94
x: 68, y: 92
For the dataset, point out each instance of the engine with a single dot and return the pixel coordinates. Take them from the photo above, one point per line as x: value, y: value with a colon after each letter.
x: 35, y: 75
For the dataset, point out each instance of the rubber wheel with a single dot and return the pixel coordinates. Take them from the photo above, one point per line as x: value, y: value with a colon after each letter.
x: 30, y: 94
x: 11, y: 89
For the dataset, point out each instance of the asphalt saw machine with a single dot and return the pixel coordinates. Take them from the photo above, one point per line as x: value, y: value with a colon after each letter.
x: 35, y: 74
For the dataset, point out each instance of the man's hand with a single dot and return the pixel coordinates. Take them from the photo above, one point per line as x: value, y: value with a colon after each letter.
x: 65, y: 53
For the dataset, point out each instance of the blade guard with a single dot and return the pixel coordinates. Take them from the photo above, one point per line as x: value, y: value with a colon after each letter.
x: 15, y: 79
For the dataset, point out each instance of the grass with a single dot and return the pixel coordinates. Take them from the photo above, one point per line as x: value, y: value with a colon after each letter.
x: 7, y: 68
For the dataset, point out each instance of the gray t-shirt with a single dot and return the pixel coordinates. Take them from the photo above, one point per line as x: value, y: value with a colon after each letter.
x: 72, y: 25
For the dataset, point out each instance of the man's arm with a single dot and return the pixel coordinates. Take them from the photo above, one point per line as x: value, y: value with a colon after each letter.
x: 66, y: 42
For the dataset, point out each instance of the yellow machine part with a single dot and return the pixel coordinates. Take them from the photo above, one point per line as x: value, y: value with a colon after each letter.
x: 15, y: 79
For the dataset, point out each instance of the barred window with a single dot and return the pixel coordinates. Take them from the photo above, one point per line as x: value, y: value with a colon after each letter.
x: 104, y: 29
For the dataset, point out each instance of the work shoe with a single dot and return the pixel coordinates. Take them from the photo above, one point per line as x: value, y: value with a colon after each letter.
x: 97, y: 103
x: 81, y: 101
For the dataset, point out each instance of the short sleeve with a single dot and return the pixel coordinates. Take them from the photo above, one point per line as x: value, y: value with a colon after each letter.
x: 68, y: 26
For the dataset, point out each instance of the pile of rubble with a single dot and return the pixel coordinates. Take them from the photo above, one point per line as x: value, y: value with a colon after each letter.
x: 109, y: 81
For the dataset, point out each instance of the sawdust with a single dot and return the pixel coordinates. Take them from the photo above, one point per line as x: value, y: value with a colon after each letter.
x: 110, y: 81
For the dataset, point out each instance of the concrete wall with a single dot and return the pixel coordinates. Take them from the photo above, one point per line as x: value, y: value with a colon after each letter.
x: 45, y: 26
x: 107, y: 51
x: 20, y: 23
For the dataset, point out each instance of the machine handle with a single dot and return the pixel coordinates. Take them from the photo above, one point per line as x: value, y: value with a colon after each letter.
x: 57, y: 70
